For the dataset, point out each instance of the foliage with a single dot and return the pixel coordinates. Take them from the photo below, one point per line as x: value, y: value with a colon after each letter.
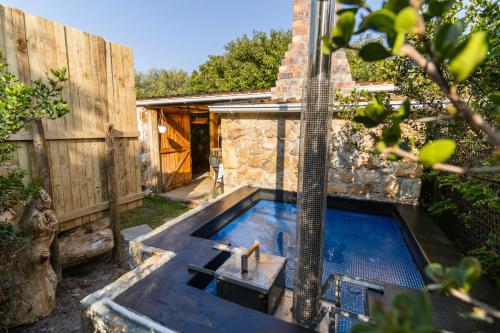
x: 461, y: 278
x: 154, y: 211
x: 469, y: 195
x: 406, y: 314
x: 248, y: 63
x: 489, y: 259
x: 9, y: 236
x: 418, y: 32
x: 161, y: 82
x: 19, y: 104
x: 383, y: 70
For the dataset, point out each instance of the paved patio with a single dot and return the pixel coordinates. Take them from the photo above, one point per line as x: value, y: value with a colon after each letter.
x: 195, y: 193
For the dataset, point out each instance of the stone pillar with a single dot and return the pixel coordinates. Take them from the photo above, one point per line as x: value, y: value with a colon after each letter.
x: 293, y: 69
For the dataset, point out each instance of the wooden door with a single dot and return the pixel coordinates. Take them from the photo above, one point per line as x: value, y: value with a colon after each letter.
x: 175, y: 150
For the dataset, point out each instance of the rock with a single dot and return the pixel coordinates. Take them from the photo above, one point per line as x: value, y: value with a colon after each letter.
x: 357, y: 189
x: 132, y: 233
x: 9, y: 216
x: 229, y: 155
x: 410, y: 188
x: 407, y: 169
x: 391, y: 186
x: 337, y: 188
x: 367, y: 176
x: 344, y: 175
x: 85, y: 242
x: 235, y: 133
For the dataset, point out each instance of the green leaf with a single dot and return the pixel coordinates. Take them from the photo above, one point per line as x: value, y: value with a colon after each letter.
x: 470, y: 271
x: 398, y: 42
x: 391, y: 134
x: 351, y: 2
x: 404, y: 110
x: 438, y: 151
x: 447, y: 38
x: 470, y: 55
x: 345, y: 10
x: 344, y: 28
x: 436, y: 7
x: 373, y: 52
x: 396, y: 6
x: 435, y: 271
x: 406, y: 20
x: 373, y: 114
x: 381, y: 20
x: 494, y: 97
x: 381, y: 146
x: 327, y: 47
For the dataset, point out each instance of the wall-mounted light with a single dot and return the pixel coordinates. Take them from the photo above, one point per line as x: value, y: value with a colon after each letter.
x: 162, y: 129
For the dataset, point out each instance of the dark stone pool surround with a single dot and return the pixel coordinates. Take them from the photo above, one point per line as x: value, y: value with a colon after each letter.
x: 165, y: 296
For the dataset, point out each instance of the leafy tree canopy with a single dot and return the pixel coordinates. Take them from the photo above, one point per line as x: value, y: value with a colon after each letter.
x: 161, y: 82
x: 248, y: 63
x: 382, y: 70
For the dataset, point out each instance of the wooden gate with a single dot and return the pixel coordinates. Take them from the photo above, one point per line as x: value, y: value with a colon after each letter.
x: 175, y: 149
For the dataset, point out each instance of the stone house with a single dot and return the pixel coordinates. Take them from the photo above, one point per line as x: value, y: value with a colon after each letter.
x: 260, y: 140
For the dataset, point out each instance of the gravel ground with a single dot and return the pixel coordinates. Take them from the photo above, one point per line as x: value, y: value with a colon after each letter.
x: 78, y: 282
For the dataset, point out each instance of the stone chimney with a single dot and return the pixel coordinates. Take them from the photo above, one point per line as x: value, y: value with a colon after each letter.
x: 293, y: 69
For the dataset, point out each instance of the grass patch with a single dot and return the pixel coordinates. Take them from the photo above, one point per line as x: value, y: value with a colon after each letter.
x: 153, y: 212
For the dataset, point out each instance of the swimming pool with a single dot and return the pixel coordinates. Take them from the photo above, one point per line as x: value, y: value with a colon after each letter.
x: 357, y: 244
x: 174, y: 296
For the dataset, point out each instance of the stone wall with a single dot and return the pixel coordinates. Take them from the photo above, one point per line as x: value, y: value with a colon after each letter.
x: 263, y: 149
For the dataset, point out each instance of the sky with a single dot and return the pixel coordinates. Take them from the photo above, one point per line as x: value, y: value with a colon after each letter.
x: 166, y: 33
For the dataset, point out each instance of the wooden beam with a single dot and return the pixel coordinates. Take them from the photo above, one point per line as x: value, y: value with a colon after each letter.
x: 154, y: 150
x: 65, y: 217
x: 72, y: 135
x: 114, y: 211
x: 214, y: 130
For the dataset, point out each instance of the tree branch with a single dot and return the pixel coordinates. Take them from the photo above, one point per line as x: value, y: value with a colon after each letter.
x: 475, y: 121
x: 467, y: 299
x: 441, y: 166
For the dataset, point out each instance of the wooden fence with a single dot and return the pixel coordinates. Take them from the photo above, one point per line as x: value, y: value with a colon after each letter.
x: 100, y: 90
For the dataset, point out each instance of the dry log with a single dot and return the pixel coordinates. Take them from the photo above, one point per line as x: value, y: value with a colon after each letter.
x: 88, y: 241
x: 28, y: 283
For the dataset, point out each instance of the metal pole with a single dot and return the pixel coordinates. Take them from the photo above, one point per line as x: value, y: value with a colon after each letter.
x: 313, y: 169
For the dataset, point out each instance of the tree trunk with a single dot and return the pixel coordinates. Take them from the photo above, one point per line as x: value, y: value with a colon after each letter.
x: 85, y: 242
x: 42, y: 162
x: 27, y: 280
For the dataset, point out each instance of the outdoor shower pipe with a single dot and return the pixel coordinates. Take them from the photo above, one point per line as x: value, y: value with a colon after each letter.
x: 315, y: 126
x: 321, y: 23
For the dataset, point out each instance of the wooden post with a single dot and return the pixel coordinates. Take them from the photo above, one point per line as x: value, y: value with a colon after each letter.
x: 154, y: 150
x: 42, y: 162
x: 214, y: 135
x: 114, y: 211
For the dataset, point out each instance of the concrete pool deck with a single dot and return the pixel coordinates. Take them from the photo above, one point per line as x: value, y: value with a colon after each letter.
x: 156, y: 293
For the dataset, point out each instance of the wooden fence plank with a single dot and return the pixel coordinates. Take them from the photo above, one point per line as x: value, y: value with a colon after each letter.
x: 100, y: 89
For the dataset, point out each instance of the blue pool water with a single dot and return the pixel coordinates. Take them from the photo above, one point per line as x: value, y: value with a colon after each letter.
x: 357, y: 244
